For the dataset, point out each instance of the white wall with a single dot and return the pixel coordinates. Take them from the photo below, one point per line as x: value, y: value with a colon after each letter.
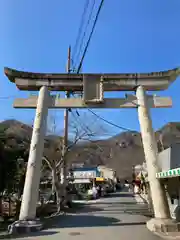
x: 107, y: 172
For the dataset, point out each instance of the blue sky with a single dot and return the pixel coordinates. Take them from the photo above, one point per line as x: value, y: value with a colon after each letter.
x: 131, y: 36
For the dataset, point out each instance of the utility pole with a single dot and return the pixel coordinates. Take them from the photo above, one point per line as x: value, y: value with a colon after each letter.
x: 65, y: 139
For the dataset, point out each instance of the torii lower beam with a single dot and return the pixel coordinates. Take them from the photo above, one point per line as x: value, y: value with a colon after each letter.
x: 129, y: 102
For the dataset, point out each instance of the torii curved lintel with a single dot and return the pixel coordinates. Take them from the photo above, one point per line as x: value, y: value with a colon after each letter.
x: 74, y: 82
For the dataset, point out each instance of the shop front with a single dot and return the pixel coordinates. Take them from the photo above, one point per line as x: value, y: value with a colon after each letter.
x: 169, y: 163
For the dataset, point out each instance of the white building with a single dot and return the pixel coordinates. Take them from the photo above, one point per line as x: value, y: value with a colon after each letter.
x: 108, y: 173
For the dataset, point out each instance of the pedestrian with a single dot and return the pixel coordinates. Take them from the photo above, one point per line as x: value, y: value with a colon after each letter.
x: 136, y: 189
x: 68, y: 197
x: 94, y: 191
x: 143, y: 183
x: 97, y: 188
x: 100, y: 190
x: 127, y: 185
x: 133, y: 185
x: 137, y: 186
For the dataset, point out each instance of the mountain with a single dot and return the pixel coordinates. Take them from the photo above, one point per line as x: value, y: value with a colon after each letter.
x: 15, y: 135
x: 120, y: 152
x: 124, y: 150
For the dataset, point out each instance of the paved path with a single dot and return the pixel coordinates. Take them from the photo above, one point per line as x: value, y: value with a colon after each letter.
x: 116, y: 217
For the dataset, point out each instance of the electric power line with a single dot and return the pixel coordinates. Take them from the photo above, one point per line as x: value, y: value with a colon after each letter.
x: 80, y: 27
x: 111, y: 123
x: 83, y: 126
x: 81, y: 62
x: 90, y: 36
x: 84, y: 34
x: 107, y: 121
x: 7, y: 97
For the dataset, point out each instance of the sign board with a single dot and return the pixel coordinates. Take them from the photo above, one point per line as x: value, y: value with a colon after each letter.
x: 82, y: 180
x: 84, y: 174
x: 100, y: 179
x: 77, y: 165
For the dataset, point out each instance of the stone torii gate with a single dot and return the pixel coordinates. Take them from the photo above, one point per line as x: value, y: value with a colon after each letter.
x: 93, y: 87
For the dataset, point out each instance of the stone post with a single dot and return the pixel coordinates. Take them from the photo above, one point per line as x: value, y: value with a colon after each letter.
x: 31, y: 186
x: 159, y: 200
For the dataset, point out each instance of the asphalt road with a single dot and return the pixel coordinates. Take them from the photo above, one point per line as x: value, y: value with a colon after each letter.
x: 115, y: 217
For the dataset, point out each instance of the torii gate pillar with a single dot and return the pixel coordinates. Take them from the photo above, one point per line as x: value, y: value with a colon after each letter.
x: 161, y: 209
x: 31, y: 186
x: 160, y: 204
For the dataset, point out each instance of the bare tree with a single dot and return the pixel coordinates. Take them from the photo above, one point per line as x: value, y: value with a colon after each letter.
x: 54, y: 157
x: 161, y: 141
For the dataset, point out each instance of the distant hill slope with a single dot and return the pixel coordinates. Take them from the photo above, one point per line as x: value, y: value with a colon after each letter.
x: 120, y: 152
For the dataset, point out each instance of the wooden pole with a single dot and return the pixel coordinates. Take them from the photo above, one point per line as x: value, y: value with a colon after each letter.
x: 65, y: 139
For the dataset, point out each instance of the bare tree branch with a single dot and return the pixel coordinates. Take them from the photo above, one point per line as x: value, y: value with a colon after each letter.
x: 47, y: 161
x: 80, y: 131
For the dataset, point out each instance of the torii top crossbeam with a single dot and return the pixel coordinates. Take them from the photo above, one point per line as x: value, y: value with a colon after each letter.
x: 74, y: 82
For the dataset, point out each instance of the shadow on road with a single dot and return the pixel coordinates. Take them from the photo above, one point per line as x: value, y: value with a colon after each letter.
x: 73, y: 221
x: 33, y: 234
x: 112, y: 203
x: 132, y: 224
x: 84, y: 208
x: 139, y: 211
x: 89, y: 209
x: 78, y: 221
x: 133, y: 209
x: 120, y: 195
